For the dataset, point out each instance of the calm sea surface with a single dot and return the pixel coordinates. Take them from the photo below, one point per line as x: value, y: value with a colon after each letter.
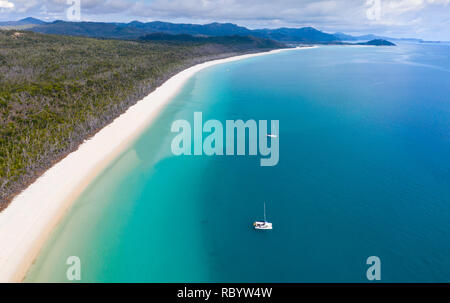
x: 364, y: 171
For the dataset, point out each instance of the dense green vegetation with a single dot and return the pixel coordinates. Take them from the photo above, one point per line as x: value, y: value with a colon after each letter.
x: 234, y: 41
x: 55, y: 91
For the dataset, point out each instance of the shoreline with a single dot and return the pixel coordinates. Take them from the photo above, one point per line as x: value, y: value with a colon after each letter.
x: 27, y: 222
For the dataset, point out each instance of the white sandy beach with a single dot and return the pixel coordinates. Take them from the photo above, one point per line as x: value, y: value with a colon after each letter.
x: 28, y: 221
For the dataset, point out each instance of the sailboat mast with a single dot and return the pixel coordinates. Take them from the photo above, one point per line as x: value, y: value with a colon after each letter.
x: 265, y: 212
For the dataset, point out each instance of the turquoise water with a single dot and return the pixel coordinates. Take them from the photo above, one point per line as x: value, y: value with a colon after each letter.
x: 364, y: 171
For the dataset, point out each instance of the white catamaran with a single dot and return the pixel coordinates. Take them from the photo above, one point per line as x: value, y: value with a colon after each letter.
x: 265, y: 224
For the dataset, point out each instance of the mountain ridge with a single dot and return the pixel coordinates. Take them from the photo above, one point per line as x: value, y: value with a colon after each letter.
x: 136, y: 29
x: 24, y: 21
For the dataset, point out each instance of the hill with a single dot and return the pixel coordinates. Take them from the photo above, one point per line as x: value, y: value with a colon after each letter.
x: 345, y: 37
x: 305, y: 35
x: 25, y: 21
x: 212, y: 29
x: 377, y: 42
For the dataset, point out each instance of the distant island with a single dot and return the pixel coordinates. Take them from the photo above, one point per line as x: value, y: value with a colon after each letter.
x: 377, y: 42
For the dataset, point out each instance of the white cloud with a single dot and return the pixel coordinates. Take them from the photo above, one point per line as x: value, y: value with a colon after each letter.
x: 6, y: 4
x: 439, y: 1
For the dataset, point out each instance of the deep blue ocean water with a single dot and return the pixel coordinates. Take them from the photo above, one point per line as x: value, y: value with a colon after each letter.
x: 364, y: 171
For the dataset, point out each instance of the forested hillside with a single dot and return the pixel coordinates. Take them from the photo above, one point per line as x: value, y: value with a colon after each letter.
x: 56, y: 91
x: 135, y: 29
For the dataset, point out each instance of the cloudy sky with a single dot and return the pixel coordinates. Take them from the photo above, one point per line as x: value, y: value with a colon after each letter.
x: 427, y: 19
